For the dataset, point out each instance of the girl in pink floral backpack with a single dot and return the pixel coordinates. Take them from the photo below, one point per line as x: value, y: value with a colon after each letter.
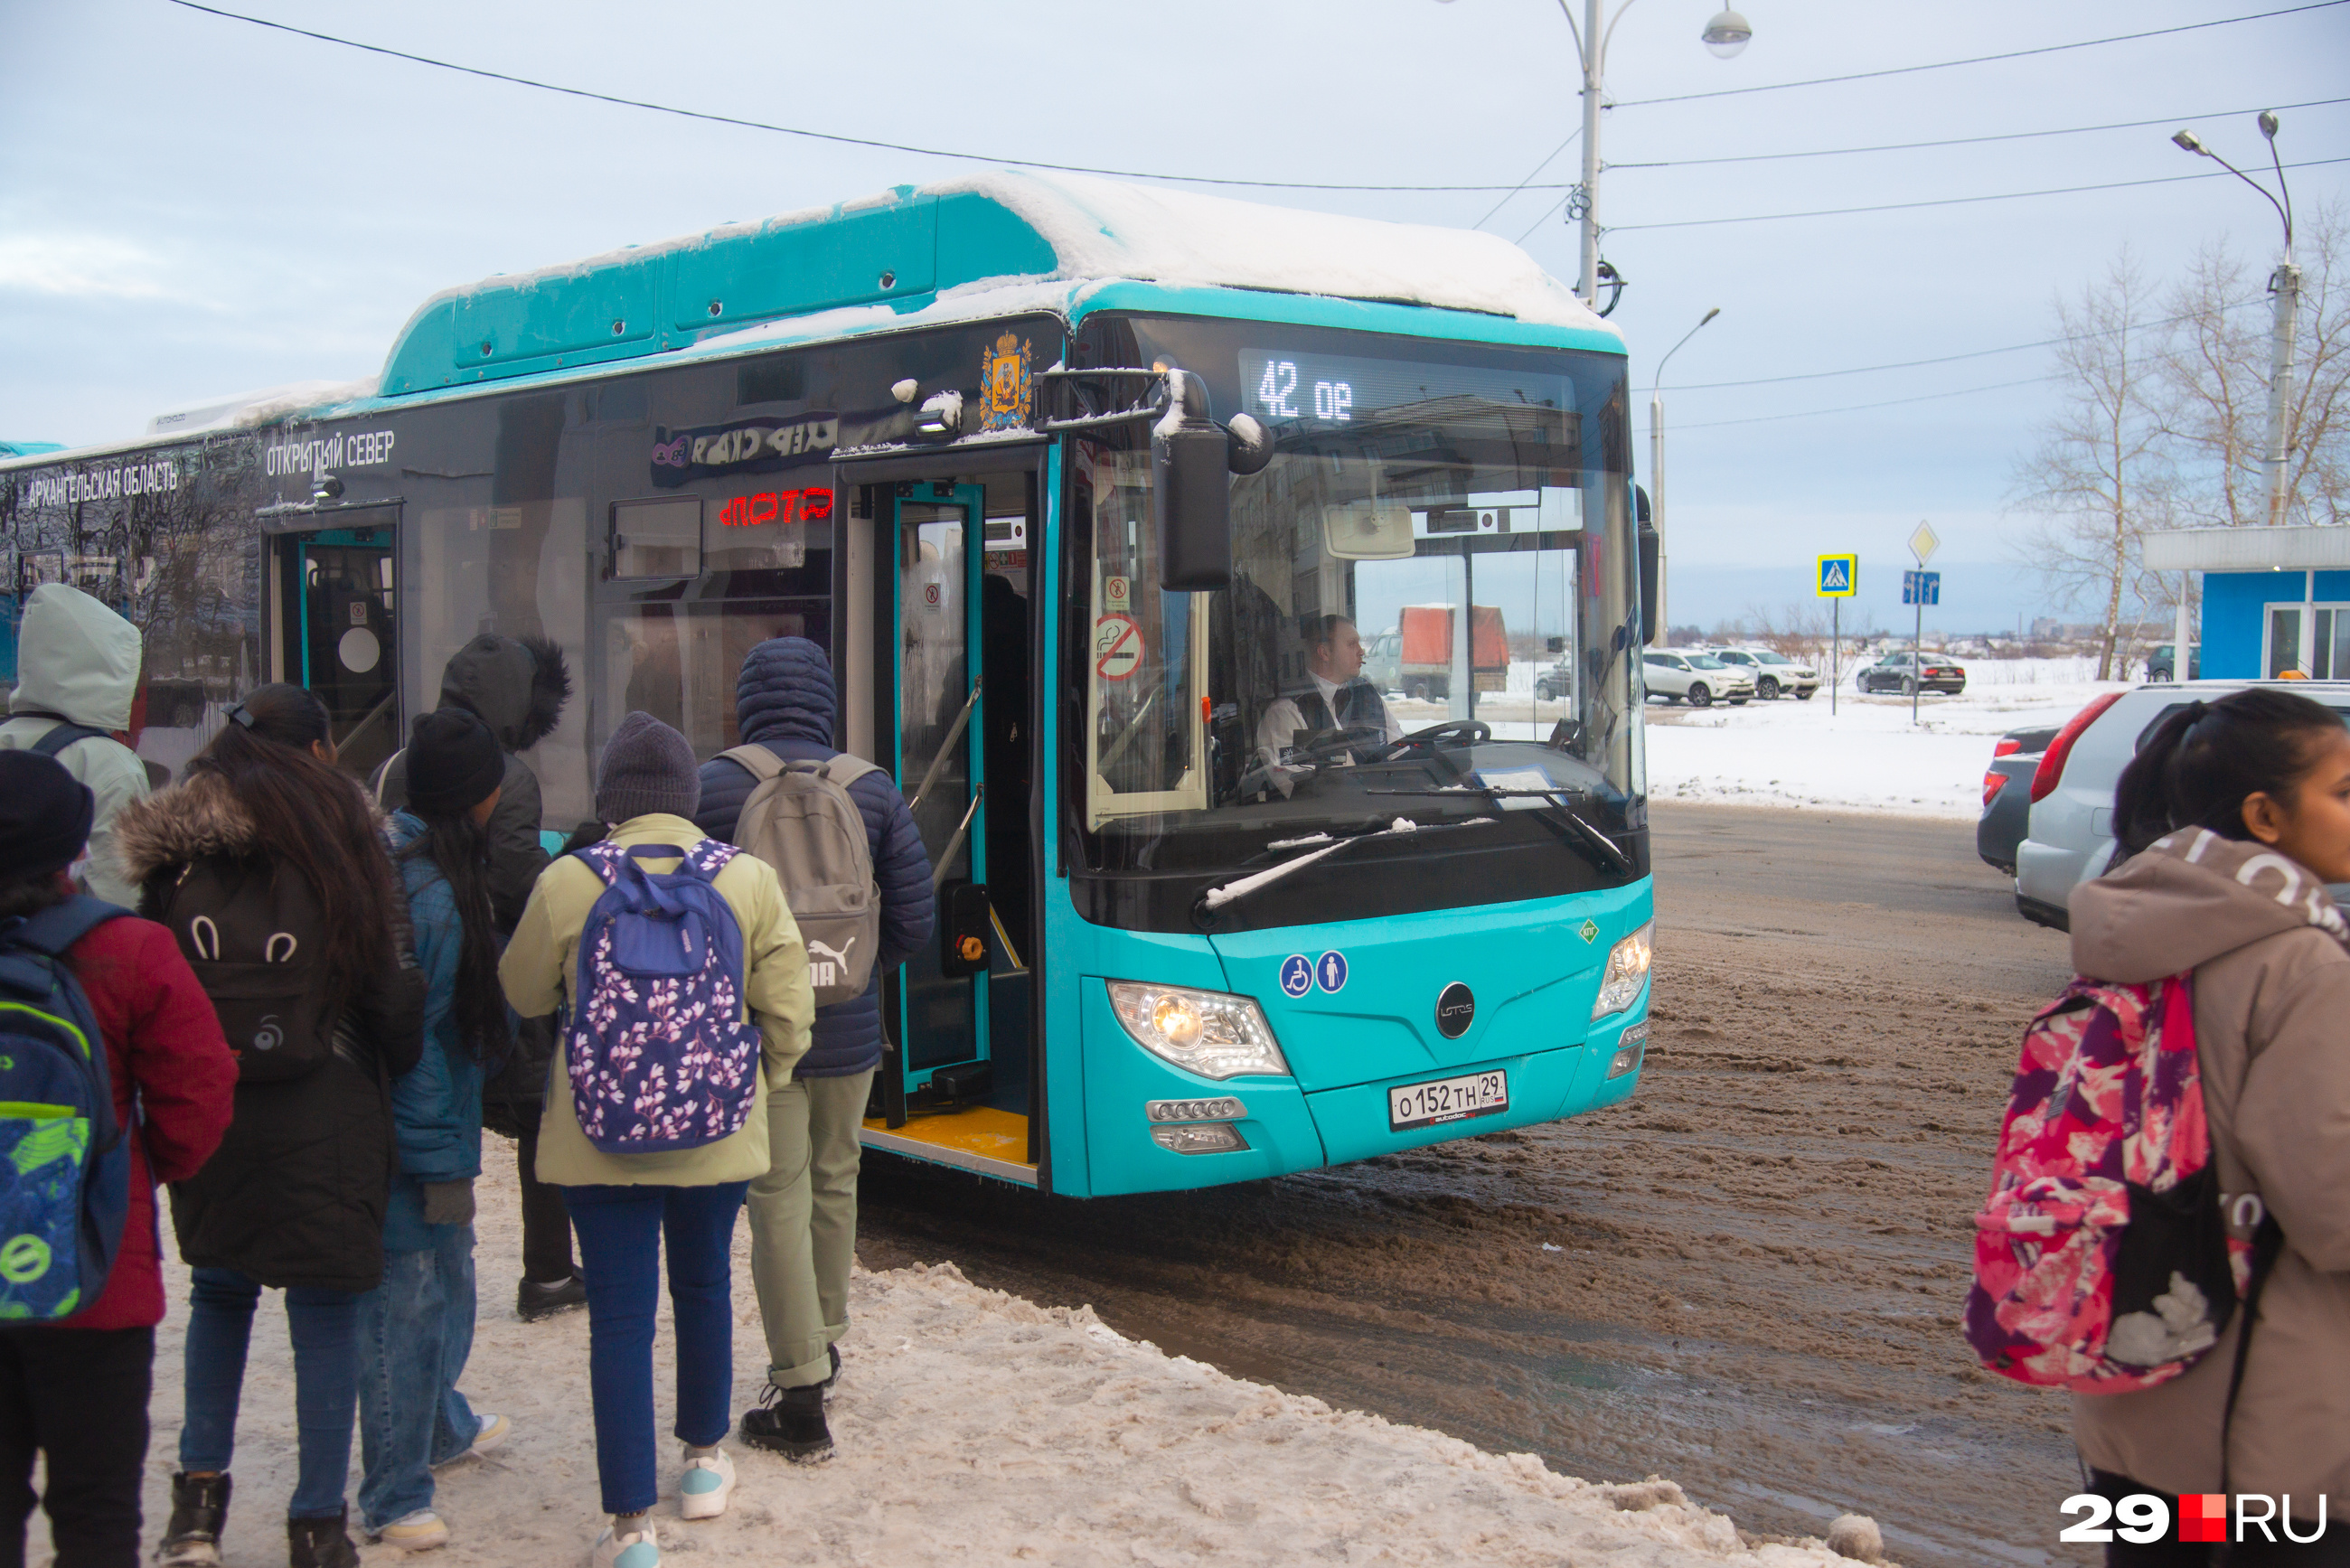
x: 2229, y: 824
x: 722, y: 1008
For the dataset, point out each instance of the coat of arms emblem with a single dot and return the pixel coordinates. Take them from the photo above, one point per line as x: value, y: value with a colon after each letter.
x: 1008, y: 383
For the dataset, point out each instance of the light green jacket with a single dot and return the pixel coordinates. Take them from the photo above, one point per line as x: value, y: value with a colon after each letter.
x: 541, y: 963
x: 80, y: 660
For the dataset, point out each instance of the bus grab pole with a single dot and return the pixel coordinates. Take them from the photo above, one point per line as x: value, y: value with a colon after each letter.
x: 954, y: 733
x: 946, y: 858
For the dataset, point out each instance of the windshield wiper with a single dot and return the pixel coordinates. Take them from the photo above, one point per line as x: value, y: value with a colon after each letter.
x: 1216, y: 898
x: 1596, y: 846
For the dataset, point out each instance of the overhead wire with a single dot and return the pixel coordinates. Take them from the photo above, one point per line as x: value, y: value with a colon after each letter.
x: 1944, y: 200
x: 839, y: 140
x: 1979, y: 59
x: 1969, y: 140
x: 1859, y: 407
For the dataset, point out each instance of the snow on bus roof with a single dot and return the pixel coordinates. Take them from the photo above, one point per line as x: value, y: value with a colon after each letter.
x: 1107, y: 228
x: 242, y: 411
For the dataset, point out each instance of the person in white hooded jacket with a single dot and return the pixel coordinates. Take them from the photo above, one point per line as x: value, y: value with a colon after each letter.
x: 78, y: 670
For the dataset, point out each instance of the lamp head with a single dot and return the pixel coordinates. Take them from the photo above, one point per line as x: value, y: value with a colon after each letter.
x: 1726, y: 35
x: 2192, y: 144
x: 1709, y: 315
x: 2269, y: 123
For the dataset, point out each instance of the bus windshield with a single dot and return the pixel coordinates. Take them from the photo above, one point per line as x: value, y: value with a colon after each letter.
x: 1432, y: 618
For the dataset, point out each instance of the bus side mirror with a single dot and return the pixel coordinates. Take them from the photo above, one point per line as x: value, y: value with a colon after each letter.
x: 1191, y: 493
x: 1650, y: 550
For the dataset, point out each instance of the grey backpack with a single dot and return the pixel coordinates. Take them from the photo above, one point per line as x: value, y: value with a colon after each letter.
x: 800, y: 820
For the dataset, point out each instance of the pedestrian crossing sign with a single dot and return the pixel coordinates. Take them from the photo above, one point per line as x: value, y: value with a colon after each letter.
x: 1839, y: 576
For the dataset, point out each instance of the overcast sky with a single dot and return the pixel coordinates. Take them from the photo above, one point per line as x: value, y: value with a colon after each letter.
x: 191, y: 205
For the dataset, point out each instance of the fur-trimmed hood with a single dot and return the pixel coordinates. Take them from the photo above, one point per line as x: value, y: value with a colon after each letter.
x: 515, y: 685
x: 191, y: 820
x: 199, y: 816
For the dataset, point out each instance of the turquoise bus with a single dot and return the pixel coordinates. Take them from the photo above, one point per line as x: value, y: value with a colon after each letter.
x: 1095, y: 493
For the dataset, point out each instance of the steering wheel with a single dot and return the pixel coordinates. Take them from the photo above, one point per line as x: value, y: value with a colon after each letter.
x: 1471, y: 731
x: 1324, y: 744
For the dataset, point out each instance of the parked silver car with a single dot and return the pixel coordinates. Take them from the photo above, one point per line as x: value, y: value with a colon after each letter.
x: 1697, y: 679
x: 1774, y: 673
x: 2071, y: 836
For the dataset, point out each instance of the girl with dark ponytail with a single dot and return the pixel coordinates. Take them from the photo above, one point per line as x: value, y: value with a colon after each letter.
x: 269, y: 868
x: 2229, y: 825
x: 418, y: 1326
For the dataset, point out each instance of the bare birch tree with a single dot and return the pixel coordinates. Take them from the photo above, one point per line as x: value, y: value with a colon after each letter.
x: 2215, y: 377
x: 2100, y: 478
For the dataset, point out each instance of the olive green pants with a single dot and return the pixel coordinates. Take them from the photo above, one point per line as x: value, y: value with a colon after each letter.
x: 803, y: 1223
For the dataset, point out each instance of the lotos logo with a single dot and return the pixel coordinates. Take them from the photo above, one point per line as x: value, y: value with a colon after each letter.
x: 1455, y: 1009
x: 2143, y: 1518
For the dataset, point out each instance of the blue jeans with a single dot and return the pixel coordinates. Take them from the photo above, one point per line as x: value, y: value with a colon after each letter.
x: 323, y: 1326
x: 416, y: 1329
x: 620, y: 1230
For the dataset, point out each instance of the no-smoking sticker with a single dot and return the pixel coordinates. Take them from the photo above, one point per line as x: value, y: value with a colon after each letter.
x: 1118, y: 647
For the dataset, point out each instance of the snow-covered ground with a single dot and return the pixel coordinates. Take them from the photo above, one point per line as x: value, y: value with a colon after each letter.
x: 973, y: 1428
x: 1868, y: 755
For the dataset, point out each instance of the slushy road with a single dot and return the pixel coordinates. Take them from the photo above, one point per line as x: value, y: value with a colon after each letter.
x: 1747, y: 1279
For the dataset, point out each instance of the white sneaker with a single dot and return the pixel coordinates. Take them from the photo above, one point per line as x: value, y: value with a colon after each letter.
x: 495, y: 1429
x: 708, y: 1482
x: 418, y: 1531
x: 636, y: 1549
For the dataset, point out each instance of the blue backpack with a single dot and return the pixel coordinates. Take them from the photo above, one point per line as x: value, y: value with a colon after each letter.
x: 661, y: 1052
x: 65, y: 1184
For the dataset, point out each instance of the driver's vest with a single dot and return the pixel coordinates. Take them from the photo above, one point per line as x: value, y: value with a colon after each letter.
x: 1359, y: 708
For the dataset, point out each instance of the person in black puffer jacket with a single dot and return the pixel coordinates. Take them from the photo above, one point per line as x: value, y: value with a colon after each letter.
x: 804, y: 1211
x: 293, y: 1198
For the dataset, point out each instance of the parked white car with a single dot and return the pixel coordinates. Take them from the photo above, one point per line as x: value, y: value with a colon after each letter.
x: 2071, y: 836
x: 1697, y: 679
x: 1774, y: 673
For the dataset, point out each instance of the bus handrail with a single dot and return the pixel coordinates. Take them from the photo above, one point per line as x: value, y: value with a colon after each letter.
x: 946, y: 750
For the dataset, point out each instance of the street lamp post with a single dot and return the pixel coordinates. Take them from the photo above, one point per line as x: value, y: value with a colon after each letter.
x: 1657, y: 461
x: 2284, y: 296
x: 1724, y: 36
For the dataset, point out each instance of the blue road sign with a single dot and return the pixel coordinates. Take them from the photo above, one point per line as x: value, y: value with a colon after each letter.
x: 1296, y: 975
x: 1839, y: 576
x: 1921, y: 587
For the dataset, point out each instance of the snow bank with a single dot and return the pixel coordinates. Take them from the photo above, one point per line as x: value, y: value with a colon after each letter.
x: 973, y: 1427
x: 1868, y: 756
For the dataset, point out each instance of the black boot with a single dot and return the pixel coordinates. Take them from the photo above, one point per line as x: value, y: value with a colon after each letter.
x: 534, y: 1301
x: 198, y: 1513
x: 790, y: 1422
x: 320, y: 1543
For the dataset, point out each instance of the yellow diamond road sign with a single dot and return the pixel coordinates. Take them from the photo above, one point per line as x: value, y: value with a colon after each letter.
x: 1924, y: 543
x: 1839, y: 576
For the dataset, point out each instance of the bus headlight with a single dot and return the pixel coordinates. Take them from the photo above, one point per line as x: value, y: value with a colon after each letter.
x: 1626, y: 972
x: 1210, y: 1033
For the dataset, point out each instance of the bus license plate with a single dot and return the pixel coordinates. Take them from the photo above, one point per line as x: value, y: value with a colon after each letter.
x: 1447, y: 1100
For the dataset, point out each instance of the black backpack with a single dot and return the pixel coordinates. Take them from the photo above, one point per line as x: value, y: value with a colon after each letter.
x: 252, y: 934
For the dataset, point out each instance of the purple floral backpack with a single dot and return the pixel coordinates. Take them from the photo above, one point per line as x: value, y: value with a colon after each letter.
x: 661, y: 1052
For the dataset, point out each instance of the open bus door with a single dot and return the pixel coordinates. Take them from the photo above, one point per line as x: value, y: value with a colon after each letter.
x: 336, y: 624
x: 954, y: 1082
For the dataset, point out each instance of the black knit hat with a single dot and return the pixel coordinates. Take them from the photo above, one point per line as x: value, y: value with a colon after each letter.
x: 454, y: 761
x: 647, y: 767
x: 45, y: 815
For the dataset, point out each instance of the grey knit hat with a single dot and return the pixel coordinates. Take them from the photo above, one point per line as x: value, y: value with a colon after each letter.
x: 647, y: 767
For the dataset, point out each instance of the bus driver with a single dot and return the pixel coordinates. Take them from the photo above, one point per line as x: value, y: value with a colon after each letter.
x: 1339, y: 698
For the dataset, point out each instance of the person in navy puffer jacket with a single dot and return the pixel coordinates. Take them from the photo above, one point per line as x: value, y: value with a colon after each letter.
x: 804, y: 1211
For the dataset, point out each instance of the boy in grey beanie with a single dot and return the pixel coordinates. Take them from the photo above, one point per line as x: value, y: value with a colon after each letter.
x: 647, y: 767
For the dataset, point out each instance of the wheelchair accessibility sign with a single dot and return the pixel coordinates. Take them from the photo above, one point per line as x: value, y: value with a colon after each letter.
x: 1296, y: 976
